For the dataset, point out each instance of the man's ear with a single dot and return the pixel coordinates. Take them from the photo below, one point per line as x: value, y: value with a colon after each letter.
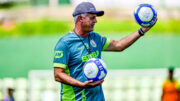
x: 80, y: 18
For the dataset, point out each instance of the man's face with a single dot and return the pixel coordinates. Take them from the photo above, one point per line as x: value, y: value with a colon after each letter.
x: 88, y: 22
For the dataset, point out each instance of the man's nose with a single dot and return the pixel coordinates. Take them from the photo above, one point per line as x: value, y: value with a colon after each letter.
x: 95, y: 20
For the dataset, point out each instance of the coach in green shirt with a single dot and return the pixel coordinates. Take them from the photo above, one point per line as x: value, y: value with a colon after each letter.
x: 76, y: 47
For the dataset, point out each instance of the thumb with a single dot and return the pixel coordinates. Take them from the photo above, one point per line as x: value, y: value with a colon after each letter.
x: 90, y: 81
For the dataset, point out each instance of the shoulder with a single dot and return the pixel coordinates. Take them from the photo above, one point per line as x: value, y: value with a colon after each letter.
x: 94, y: 34
x: 177, y: 85
x: 165, y: 82
x: 65, y: 40
x: 67, y: 37
x: 176, y: 82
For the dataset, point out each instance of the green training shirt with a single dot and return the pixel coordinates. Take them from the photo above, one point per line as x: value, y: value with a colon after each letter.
x: 71, y: 54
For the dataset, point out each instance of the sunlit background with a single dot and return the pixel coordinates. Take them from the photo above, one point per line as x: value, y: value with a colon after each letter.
x: 29, y: 30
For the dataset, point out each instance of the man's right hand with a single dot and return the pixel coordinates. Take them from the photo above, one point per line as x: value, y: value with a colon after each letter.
x: 61, y: 76
x: 90, y: 83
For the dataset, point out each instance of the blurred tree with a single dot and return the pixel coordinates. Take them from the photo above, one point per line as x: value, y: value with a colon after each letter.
x: 46, y: 2
x: 64, y: 2
x: 40, y: 2
x: 7, y: 4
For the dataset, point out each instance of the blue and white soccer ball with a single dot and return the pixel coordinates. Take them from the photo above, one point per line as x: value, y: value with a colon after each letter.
x: 145, y: 15
x: 95, y: 69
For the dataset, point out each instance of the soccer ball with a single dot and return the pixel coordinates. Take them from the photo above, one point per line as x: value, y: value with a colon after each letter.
x: 95, y: 69
x: 145, y: 15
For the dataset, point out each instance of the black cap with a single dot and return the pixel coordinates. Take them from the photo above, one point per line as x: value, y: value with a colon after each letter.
x: 86, y: 7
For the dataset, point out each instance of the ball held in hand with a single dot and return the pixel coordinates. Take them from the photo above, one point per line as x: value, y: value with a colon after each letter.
x: 145, y: 15
x: 95, y: 69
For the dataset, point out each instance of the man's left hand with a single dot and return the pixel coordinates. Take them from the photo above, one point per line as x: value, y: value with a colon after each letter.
x: 145, y: 29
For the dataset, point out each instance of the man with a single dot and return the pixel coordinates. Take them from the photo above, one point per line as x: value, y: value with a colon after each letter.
x: 9, y: 96
x: 75, y: 48
x: 171, y: 89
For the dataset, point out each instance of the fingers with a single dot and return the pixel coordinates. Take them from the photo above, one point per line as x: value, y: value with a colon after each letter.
x: 154, y: 22
x: 86, y: 83
x: 90, y: 83
x: 98, y: 82
x: 145, y: 29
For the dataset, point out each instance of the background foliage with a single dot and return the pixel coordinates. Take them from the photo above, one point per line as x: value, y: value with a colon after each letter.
x: 48, y: 26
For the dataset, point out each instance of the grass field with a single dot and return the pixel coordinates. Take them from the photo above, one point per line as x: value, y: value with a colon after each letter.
x: 21, y: 54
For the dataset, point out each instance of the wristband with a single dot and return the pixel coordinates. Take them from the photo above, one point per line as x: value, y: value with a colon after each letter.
x: 141, y: 32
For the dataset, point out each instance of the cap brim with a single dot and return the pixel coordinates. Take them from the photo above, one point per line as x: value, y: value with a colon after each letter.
x: 98, y: 13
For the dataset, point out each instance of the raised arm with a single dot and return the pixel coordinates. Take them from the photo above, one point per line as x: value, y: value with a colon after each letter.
x: 123, y: 43
x: 127, y: 41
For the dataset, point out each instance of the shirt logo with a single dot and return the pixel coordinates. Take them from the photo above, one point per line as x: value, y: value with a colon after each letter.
x: 87, y: 57
x: 93, y: 43
x: 58, y: 54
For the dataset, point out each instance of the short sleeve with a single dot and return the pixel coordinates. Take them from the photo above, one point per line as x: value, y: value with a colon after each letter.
x: 177, y: 86
x: 104, y: 41
x: 163, y: 84
x: 106, y: 44
x: 61, y: 55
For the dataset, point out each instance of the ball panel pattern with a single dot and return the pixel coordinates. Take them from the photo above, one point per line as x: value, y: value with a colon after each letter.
x: 145, y: 15
x: 95, y: 69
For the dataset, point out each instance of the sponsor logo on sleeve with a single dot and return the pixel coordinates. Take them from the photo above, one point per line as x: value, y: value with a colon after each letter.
x: 58, y: 54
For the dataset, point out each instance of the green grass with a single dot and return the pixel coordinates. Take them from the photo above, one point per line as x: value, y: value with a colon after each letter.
x: 19, y: 55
